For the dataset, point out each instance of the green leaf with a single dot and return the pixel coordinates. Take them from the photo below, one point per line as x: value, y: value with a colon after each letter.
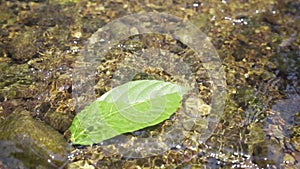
x: 126, y: 108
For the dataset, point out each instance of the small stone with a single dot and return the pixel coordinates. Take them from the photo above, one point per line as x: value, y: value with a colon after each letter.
x: 58, y: 120
x: 80, y: 165
x: 24, y: 47
x: 77, y: 35
x: 288, y: 159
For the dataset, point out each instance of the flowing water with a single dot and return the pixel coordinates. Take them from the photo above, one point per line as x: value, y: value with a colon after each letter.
x: 242, y: 59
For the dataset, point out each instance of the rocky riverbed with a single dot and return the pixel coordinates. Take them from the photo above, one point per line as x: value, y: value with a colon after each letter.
x: 257, y: 42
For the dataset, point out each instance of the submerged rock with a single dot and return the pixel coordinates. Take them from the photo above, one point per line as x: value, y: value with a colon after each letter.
x: 29, y: 143
x: 25, y: 46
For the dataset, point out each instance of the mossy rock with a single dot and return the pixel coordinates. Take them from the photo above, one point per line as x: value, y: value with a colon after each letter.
x: 28, y: 143
x: 25, y: 46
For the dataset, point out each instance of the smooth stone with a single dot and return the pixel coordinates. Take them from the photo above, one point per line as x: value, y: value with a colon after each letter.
x: 29, y: 143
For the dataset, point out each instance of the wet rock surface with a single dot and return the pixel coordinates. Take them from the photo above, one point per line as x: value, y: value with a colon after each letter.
x: 25, y: 46
x: 29, y: 143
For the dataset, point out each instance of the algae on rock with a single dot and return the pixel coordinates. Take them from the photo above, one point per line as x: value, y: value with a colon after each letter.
x: 27, y: 142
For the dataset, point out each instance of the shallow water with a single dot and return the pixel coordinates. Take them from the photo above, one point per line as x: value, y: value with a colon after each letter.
x: 43, y: 42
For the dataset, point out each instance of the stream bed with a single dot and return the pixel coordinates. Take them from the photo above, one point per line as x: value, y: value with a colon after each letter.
x: 242, y: 59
